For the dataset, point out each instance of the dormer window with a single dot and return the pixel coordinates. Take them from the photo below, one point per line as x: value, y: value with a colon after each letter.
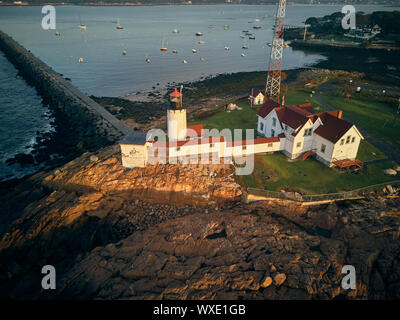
x: 274, y: 122
x: 348, y: 139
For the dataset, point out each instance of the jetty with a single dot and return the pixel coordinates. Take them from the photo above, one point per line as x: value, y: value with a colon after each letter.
x: 86, y: 115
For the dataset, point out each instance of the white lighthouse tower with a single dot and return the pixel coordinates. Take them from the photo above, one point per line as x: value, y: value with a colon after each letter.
x: 176, y: 117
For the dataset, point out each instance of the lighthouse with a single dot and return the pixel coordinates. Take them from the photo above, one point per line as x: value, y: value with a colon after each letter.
x: 176, y: 117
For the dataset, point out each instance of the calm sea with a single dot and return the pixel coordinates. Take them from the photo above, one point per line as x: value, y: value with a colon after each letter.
x: 106, y: 72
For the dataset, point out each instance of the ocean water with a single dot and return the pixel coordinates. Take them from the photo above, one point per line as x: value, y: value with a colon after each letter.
x: 106, y: 72
x: 22, y: 115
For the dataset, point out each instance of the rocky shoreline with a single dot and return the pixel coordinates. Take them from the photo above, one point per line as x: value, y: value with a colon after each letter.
x: 111, y: 235
x: 81, y: 124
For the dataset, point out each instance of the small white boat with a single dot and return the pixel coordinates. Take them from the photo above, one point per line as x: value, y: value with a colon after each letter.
x: 80, y: 60
x: 119, y: 27
x: 175, y: 31
x: 184, y: 62
x: 57, y: 33
x: 243, y: 55
x: 163, y: 48
x: 81, y: 25
x: 252, y: 37
x: 245, y: 47
x: 148, y: 60
x: 124, y: 52
x: 194, y: 50
x: 242, y: 36
x: 227, y: 48
x: 202, y: 42
x: 202, y: 59
x: 175, y: 51
x: 226, y: 27
x: 256, y: 27
x: 199, y: 34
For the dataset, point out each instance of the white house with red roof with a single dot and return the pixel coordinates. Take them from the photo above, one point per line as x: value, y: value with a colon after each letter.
x: 183, y: 142
x: 297, y: 131
x: 257, y: 97
x: 303, y: 132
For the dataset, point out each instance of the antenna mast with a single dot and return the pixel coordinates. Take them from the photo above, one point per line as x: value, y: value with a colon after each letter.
x: 273, y: 86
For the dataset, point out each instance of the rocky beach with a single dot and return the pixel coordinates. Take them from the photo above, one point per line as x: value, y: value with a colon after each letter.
x: 113, y: 233
x: 176, y: 231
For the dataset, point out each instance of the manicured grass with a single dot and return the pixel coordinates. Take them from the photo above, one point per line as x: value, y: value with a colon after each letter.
x: 235, y: 119
x: 367, y: 152
x: 301, y: 96
x: 274, y: 172
x: 376, y: 116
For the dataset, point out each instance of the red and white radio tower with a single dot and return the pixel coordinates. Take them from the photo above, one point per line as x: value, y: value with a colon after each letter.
x: 273, y: 87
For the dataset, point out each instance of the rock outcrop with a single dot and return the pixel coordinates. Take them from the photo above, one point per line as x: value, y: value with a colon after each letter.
x: 180, y: 232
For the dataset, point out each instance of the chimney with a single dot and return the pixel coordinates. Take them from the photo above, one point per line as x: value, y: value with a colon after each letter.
x: 339, y: 115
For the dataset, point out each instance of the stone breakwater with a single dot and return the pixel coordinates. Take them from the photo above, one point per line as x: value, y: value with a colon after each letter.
x: 96, y: 126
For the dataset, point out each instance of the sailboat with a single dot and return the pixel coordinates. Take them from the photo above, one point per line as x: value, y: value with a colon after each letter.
x: 119, y: 27
x: 163, y: 47
x: 81, y: 25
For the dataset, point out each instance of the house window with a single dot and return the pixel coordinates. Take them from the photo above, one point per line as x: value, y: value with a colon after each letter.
x: 243, y: 147
x: 298, y: 145
x: 353, y: 139
x: 261, y: 126
x: 342, y: 142
x: 323, y: 147
x: 273, y: 122
x: 308, y: 132
x: 178, y: 148
x: 212, y: 145
x: 286, y: 127
x: 348, y: 139
x: 272, y: 133
x: 269, y: 145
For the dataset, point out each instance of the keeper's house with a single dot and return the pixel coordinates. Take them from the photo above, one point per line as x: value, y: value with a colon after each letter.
x: 296, y: 131
x: 303, y: 132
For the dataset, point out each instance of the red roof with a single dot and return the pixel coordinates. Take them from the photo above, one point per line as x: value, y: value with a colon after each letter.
x: 305, y: 109
x: 187, y: 142
x: 255, y: 92
x: 332, y: 128
x: 292, y: 118
x: 198, y: 128
x: 175, y: 94
x: 250, y: 142
x: 267, y: 107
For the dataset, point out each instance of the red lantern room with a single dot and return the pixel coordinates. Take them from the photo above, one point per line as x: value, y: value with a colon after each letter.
x: 175, y: 99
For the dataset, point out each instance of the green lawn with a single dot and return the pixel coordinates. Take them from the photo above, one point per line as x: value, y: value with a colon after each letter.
x: 369, y: 113
x: 235, y: 119
x: 275, y: 172
x: 301, y: 96
x: 367, y: 152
